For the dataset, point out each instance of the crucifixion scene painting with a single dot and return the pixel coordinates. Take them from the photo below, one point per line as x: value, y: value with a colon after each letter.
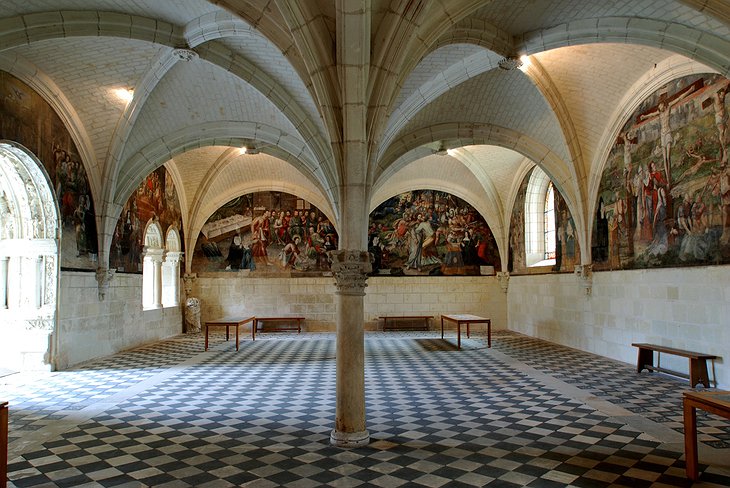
x: 664, y: 197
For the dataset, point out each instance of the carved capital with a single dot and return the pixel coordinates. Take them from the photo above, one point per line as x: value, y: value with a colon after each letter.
x: 503, y: 277
x: 350, y: 269
x: 188, y: 280
x: 104, y: 277
x: 584, y: 272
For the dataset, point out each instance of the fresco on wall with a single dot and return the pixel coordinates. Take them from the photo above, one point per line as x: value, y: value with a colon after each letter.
x: 664, y: 197
x: 155, y: 198
x: 26, y: 118
x: 567, y: 248
x: 428, y: 232
x: 266, y: 233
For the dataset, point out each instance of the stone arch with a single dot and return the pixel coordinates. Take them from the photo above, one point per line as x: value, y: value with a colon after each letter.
x: 29, y: 261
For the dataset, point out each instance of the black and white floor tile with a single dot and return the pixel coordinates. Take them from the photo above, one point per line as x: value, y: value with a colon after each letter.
x: 173, y: 415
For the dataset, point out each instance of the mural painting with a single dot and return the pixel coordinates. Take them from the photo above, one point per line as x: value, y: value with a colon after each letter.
x: 155, y: 198
x: 428, y: 232
x: 266, y: 233
x: 26, y: 118
x: 664, y: 197
x: 567, y: 248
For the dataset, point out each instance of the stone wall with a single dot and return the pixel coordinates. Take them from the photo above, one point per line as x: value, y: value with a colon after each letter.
x: 89, y: 328
x: 687, y: 308
x: 314, y: 298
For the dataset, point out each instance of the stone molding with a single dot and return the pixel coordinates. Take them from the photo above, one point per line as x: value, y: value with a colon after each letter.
x: 349, y: 439
x: 350, y: 269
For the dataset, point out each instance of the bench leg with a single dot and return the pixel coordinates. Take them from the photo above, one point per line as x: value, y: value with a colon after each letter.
x: 646, y: 358
x: 698, y: 372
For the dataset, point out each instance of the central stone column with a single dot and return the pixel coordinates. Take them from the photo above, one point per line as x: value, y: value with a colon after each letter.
x: 350, y: 268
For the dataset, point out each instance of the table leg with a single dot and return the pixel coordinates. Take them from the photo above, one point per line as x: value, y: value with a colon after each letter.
x: 3, y: 444
x: 253, y: 329
x: 442, y: 327
x: 227, y: 336
x: 299, y: 326
x: 458, y: 335
x: 237, y: 337
x: 489, y: 333
x: 690, y: 440
x: 467, y: 330
x: 206, y: 337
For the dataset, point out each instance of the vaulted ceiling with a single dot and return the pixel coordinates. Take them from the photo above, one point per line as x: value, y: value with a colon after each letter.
x: 295, y: 80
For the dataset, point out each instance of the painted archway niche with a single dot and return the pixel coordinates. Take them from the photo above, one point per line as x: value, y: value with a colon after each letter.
x: 29, y: 264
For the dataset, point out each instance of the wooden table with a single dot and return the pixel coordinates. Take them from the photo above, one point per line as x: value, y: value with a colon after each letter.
x: 3, y: 444
x: 228, y: 322
x: 717, y: 402
x: 467, y: 319
x: 284, y: 318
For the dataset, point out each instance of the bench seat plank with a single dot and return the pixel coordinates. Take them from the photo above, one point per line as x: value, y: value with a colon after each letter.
x: 697, y: 362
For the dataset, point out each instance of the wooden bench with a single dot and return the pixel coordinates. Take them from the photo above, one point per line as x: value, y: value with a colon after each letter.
x: 290, y: 318
x: 697, y: 362
x: 426, y: 321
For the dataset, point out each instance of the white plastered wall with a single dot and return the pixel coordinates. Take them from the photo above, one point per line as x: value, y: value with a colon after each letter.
x: 686, y: 308
x: 89, y: 328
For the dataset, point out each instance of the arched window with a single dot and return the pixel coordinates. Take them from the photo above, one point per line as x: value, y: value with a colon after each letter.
x: 540, y: 220
x: 549, y: 230
x: 152, y: 266
x: 171, y: 269
x: 29, y: 261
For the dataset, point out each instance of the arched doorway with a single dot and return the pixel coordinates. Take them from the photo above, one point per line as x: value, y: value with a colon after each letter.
x: 29, y: 261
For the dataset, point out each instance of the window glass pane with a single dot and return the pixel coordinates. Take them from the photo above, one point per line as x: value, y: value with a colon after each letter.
x: 549, y: 217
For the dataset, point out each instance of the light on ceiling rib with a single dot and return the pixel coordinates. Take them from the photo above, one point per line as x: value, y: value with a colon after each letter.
x: 525, y: 59
x: 124, y: 94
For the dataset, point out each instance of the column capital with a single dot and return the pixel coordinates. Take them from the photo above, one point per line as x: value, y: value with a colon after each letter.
x: 154, y: 254
x: 104, y: 277
x: 350, y: 268
x: 173, y: 257
x: 584, y: 273
x: 503, y: 278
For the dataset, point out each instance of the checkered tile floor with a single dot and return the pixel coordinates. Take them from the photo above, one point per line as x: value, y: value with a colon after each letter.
x: 172, y: 415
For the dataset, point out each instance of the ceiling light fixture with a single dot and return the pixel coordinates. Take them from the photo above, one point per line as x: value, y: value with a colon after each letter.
x: 249, y: 150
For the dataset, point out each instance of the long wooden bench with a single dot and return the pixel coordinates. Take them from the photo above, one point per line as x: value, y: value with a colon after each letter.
x: 425, y: 318
x: 280, y: 328
x: 697, y: 362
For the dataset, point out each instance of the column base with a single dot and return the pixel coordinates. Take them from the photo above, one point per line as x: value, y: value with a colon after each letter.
x: 349, y: 439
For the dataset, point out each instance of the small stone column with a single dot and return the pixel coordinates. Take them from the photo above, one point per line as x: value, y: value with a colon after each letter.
x: 171, y: 278
x: 350, y: 269
x: 4, y: 282
x: 157, y: 282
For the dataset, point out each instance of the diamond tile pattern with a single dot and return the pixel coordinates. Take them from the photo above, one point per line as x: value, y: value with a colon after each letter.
x: 262, y: 417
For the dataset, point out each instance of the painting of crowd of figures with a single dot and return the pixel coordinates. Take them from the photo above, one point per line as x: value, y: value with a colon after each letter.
x: 664, y: 197
x: 266, y: 233
x: 26, y: 118
x: 154, y: 199
x: 429, y: 232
